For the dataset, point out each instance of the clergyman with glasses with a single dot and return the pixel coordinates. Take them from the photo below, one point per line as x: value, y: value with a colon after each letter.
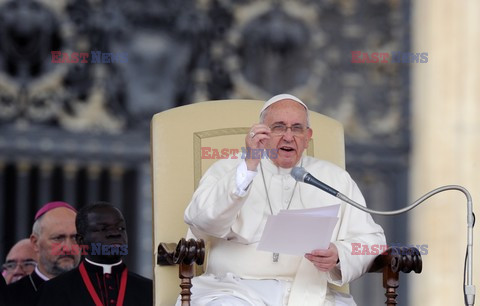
x: 53, y: 239
x: 20, y: 261
x: 234, y: 199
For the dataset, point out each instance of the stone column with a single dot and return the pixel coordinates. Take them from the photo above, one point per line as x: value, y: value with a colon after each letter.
x: 445, y: 143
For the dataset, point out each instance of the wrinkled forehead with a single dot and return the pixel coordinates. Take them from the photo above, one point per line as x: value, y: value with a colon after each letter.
x: 59, y: 227
x: 287, y: 112
x: 58, y: 221
x: 30, y: 255
x: 21, y: 252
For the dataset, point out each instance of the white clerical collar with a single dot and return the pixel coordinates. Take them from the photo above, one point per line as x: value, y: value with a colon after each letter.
x: 41, y: 275
x: 107, y: 268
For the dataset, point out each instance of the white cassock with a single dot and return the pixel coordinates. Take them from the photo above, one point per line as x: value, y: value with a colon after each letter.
x: 231, y: 214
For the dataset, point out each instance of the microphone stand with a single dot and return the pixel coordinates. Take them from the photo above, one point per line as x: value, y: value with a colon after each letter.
x: 468, y: 287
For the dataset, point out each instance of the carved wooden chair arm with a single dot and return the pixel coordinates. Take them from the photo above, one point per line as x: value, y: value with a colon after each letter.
x: 185, y: 254
x: 390, y: 264
x: 393, y: 261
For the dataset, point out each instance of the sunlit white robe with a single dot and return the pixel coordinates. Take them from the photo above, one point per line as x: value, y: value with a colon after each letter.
x: 233, y: 224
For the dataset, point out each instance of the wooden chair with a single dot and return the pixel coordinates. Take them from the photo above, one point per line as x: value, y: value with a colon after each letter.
x: 185, y: 141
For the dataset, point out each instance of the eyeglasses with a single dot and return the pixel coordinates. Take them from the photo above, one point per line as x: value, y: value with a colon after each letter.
x: 24, y: 265
x: 281, y: 129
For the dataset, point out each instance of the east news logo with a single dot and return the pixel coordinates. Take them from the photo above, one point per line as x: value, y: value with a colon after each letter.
x: 94, y: 57
x: 95, y: 249
x: 359, y: 57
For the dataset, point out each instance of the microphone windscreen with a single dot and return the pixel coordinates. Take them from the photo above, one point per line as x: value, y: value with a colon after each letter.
x: 298, y: 173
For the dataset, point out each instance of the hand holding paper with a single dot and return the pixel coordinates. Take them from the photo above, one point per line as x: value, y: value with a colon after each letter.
x: 324, y: 260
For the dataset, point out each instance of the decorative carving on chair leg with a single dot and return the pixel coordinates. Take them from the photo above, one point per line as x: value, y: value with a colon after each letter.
x: 186, y: 254
x: 390, y: 283
x: 391, y: 294
x: 391, y: 263
x: 185, y: 274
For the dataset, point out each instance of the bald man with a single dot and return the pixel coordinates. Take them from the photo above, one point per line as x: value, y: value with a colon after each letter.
x: 53, y: 239
x: 21, y: 260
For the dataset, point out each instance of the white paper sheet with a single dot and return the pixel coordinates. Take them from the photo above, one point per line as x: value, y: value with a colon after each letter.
x: 326, y: 211
x: 297, y: 232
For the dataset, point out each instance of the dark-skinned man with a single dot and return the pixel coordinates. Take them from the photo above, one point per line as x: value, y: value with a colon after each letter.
x: 101, y: 278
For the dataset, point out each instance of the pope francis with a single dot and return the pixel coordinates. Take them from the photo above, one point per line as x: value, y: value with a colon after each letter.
x: 235, y: 198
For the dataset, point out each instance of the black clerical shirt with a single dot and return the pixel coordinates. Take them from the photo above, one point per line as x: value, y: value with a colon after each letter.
x: 70, y: 289
x: 24, y: 292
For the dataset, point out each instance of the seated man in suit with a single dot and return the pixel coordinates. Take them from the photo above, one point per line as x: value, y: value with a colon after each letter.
x: 234, y: 199
x: 101, y: 278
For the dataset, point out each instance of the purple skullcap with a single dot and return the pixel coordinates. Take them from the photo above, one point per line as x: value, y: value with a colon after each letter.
x: 50, y: 206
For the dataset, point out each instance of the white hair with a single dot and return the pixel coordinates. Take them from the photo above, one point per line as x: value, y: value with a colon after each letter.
x: 37, y: 227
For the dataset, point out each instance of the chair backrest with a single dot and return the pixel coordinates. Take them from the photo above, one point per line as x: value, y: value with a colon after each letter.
x: 185, y: 141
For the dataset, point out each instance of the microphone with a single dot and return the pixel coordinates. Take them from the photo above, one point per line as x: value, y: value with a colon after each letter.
x: 301, y: 175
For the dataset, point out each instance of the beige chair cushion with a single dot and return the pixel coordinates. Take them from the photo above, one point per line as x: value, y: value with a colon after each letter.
x: 177, y: 138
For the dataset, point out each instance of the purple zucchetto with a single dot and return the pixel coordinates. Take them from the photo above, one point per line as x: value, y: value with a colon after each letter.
x: 50, y: 206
